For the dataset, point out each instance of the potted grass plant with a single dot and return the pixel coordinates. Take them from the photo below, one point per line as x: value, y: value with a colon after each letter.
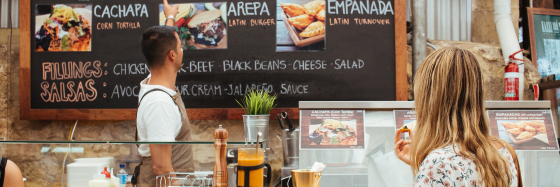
x: 257, y: 105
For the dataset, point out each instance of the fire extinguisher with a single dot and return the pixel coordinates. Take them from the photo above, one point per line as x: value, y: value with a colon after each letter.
x: 511, y: 78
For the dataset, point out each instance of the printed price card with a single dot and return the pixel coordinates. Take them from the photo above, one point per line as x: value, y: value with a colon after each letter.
x: 524, y: 129
x: 332, y: 129
x: 405, y: 117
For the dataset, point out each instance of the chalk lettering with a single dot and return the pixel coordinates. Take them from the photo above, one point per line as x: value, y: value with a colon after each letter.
x: 348, y: 64
x: 293, y: 89
x: 118, y: 11
x: 270, y: 65
x: 104, y: 26
x: 367, y: 21
x: 71, y: 70
x: 126, y: 91
x: 248, y: 9
x: 237, y: 89
x: 339, y: 21
x: 205, y: 90
x: 262, y: 22
x: 131, y: 69
x: 67, y: 92
x: 259, y: 87
x: 184, y: 89
x: 201, y: 66
x: 309, y: 65
x: 236, y: 65
x: 128, y: 25
x: 360, y: 7
x: 237, y: 22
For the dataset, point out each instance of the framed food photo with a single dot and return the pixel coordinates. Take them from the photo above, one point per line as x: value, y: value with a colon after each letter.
x: 63, y: 27
x: 524, y: 129
x: 301, y: 25
x: 332, y: 129
x: 200, y: 26
x: 544, y: 28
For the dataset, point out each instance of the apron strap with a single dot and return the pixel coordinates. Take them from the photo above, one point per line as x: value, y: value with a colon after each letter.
x: 140, y: 102
x: 152, y: 90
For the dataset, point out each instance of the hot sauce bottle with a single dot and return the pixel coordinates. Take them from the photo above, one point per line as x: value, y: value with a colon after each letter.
x: 406, y: 131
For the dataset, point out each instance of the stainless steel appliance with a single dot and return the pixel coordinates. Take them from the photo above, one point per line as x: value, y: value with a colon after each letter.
x: 290, y: 146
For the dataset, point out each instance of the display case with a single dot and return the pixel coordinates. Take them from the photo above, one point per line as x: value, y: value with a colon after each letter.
x: 377, y: 165
x: 77, y: 161
x: 72, y: 163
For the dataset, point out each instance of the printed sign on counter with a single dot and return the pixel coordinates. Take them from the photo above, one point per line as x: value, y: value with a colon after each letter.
x: 332, y: 129
x: 405, y: 117
x: 524, y: 129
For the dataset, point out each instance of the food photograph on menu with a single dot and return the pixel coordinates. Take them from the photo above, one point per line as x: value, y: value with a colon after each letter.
x: 337, y: 129
x: 200, y: 25
x: 333, y: 132
x: 302, y: 27
x: 524, y: 130
x: 63, y: 27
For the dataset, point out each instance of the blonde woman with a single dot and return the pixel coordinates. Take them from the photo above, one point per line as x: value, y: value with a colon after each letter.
x: 452, y: 145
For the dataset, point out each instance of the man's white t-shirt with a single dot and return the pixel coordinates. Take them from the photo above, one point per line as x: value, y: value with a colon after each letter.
x: 158, y: 119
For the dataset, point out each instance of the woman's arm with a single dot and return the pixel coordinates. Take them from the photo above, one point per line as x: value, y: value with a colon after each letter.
x: 13, y: 176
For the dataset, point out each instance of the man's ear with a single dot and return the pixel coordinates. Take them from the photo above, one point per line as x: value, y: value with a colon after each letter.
x: 171, y: 55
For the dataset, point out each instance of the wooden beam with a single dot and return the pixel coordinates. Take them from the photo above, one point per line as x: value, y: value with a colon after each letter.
x: 549, y: 85
x: 401, y: 77
x: 543, y: 4
x: 24, y: 59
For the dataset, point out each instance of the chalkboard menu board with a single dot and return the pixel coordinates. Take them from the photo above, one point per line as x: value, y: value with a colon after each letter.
x: 82, y: 59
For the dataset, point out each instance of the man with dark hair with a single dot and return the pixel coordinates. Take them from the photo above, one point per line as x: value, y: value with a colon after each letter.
x: 156, y: 42
x: 161, y: 113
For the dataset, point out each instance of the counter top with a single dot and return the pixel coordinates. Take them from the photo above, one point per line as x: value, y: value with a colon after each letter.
x: 390, y: 105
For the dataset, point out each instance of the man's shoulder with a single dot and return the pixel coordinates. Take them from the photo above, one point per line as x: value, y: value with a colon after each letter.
x: 153, y: 93
x: 158, y: 104
x: 156, y: 98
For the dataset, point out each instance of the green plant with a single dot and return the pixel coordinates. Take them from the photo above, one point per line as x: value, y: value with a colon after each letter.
x: 257, y: 102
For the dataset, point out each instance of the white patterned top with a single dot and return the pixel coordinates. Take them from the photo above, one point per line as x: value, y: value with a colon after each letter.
x: 443, y: 167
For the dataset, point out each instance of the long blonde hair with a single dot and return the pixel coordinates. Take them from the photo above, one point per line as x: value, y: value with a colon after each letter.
x: 449, y: 102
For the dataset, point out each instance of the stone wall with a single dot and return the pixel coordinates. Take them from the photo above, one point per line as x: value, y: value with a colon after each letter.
x: 483, y: 29
x: 490, y: 59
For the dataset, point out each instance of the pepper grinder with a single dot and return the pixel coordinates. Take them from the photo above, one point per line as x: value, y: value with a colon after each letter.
x: 220, y: 178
